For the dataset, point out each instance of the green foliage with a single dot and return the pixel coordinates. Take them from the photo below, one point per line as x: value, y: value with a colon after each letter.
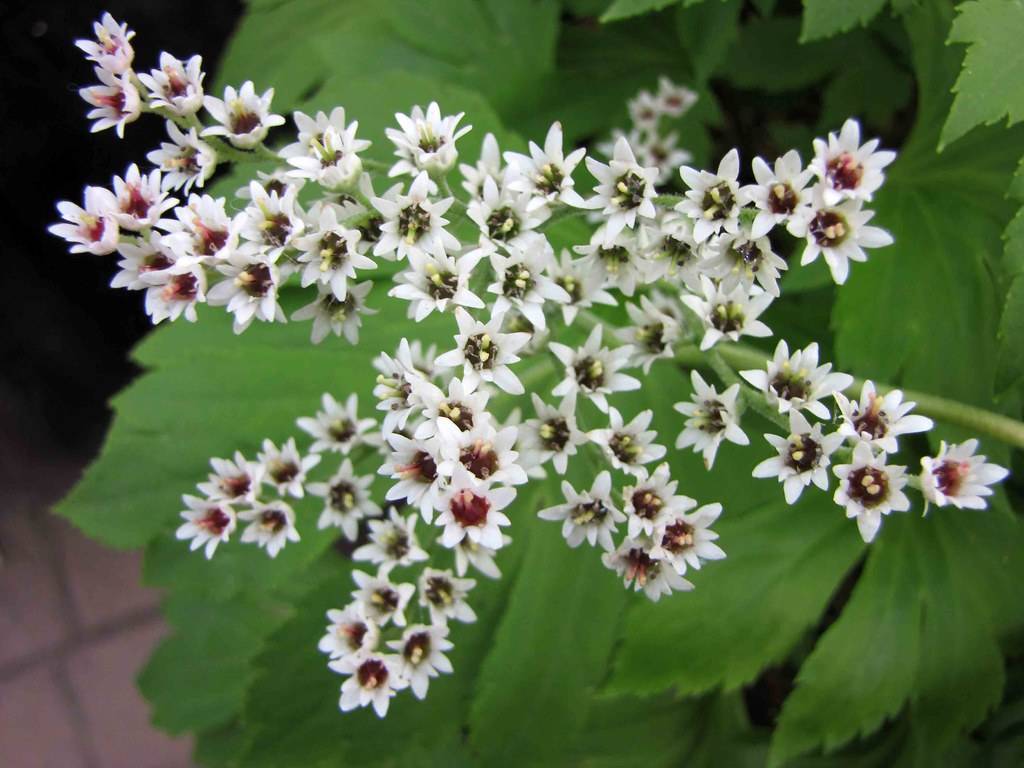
x: 826, y: 18
x: 623, y: 9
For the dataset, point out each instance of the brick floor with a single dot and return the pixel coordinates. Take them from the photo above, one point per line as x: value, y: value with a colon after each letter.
x: 75, y: 627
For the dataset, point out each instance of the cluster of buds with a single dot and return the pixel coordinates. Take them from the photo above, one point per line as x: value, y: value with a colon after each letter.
x: 693, y: 271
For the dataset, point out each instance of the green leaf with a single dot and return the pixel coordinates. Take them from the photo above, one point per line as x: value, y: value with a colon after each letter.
x: 623, y: 9
x: 825, y: 18
x: 1011, y: 337
x: 991, y: 84
x: 707, y: 31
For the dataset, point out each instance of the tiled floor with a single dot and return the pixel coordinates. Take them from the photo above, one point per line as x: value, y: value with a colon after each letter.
x: 75, y: 628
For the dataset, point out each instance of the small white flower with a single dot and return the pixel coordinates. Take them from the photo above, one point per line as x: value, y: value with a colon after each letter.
x: 620, y: 260
x: 271, y: 526
x: 207, y: 524
x: 202, y: 230
x: 959, y: 477
x: 145, y: 257
x: 485, y: 353
x: 869, y: 488
x: 461, y: 409
x: 743, y: 260
x: 176, y: 86
x: 444, y: 596
x: 414, y: 224
x: 111, y: 49
x: 413, y: 465
x: 333, y: 159
x: 471, y: 553
x: 522, y: 282
x: 115, y: 102
x: 710, y: 418
x: 546, y: 175
x: 350, y: 633
x: 625, y: 190
x: 437, y: 282
x: 392, y: 542
x: 797, y: 381
x: 338, y: 427
x: 779, y: 193
x: 185, y: 160
x: 629, y: 446
x: 488, y: 166
x: 583, y: 285
x: 803, y: 457
x: 426, y: 141
x: 729, y: 315
x: 840, y: 233
x: 504, y: 217
x: 394, y: 386
x: 879, y: 420
x: 634, y: 562
x: 383, y: 601
x: 284, y: 469
x: 487, y: 453
x: 594, y: 370
x: 675, y: 100
x: 278, y: 181
x: 342, y: 317
x: 92, y: 229
x: 235, y: 480
x: 347, y: 500
x: 553, y: 435
x: 670, y: 250
x: 139, y: 199
x: 312, y: 129
x: 421, y: 653
x: 271, y: 222
x: 652, y: 333
x: 652, y: 501
x: 587, y: 516
x: 848, y: 170
x: 684, y: 539
x: 471, y: 509
x: 713, y: 200
x: 244, y: 116
x: 329, y: 253
x: 249, y: 292
x: 174, y: 291
x: 373, y: 680
x: 645, y: 110
x: 661, y: 152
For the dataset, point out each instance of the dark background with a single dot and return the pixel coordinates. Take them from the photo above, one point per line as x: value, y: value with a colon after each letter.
x: 64, y: 333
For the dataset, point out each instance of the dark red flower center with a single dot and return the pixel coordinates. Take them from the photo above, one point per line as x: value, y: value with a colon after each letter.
x: 469, y: 508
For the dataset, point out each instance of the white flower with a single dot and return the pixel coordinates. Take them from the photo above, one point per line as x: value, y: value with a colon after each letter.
x: 840, y: 233
x: 620, y: 260
x: 959, y: 477
x: 174, y: 291
x: 629, y: 446
x: 675, y: 100
x: 332, y: 160
x: 445, y: 596
x: 868, y: 489
x: 350, y: 633
x: 522, y: 282
x: 803, y: 457
x: 207, y: 523
x: 394, y: 386
x: 250, y: 290
x: 879, y: 420
x: 382, y: 600
x: 413, y: 464
x: 652, y: 332
x: 593, y: 370
x: 185, y: 160
x: 421, y: 655
x: 414, y: 224
x: 139, y: 199
x: 485, y: 353
x: 460, y: 410
x: 271, y: 222
x: 729, y: 315
x: 347, y: 500
x: 713, y: 200
x: 797, y: 381
x: 312, y: 129
x: 650, y: 502
x: 741, y: 260
x: 244, y: 116
x: 374, y: 680
x: 338, y: 427
x: 115, y: 103
x: 437, y: 282
x: 670, y: 250
x: 278, y: 181
x: 504, y: 217
x: 848, y: 170
x: 634, y: 562
x: 271, y: 526
x: 111, y: 49
x: 645, y: 109
x: 779, y: 193
x: 426, y: 141
x: 553, y: 435
x: 144, y: 257
x: 625, y: 190
x: 659, y: 151
x: 235, y: 480
x: 711, y: 418
x: 329, y: 253
x: 488, y: 166
x: 546, y: 175
x: 342, y: 317
x: 589, y: 515
x: 201, y: 231
x: 485, y: 451
x: 469, y: 552
x: 92, y: 229
x: 176, y: 86
x: 685, y: 540
x: 584, y: 286
x: 471, y: 509
x: 392, y: 542
x: 284, y: 469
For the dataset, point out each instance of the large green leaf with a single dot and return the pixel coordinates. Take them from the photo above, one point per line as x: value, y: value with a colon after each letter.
x: 825, y: 18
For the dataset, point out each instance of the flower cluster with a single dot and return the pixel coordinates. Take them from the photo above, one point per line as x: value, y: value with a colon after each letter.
x: 659, y: 275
